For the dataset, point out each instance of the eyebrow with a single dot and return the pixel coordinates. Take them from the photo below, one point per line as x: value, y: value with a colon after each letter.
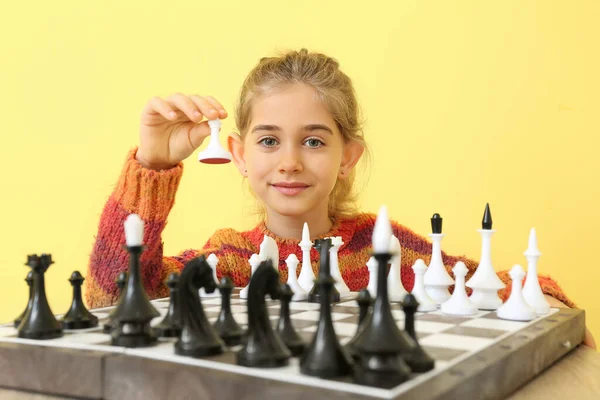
x: 310, y: 127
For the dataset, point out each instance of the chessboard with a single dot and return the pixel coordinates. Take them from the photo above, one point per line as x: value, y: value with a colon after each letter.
x: 479, y: 356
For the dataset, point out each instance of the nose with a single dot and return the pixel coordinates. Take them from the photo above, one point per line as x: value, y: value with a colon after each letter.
x: 290, y: 160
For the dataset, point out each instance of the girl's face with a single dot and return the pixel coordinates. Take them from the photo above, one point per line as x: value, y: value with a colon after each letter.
x: 293, y: 152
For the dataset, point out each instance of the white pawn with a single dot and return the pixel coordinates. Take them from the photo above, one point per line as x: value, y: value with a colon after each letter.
x: 336, y: 274
x: 372, y: 286
x: 532, y: 291
x: 254, y: 263
x: 212, y: 260
x: 292, y: 280
x: 516, y: 308
x: 214, y: 153
x: 307, y: 276
x: 396, y: 290
x: 425, y: 302
x: 459, y: 303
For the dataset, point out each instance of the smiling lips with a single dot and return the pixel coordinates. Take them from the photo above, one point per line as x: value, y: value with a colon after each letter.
x: 290, y: 188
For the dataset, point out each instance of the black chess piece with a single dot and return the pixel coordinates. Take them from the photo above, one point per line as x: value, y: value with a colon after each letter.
x: 29, y: 280
x: 418, y: 360
x: 325, y: 266
x: 170, y: 326
x: 262, y: 346
x: 226, y: 326
x: 133, y: 314
x: 39, y: 321
x: 78, y: 316
x: 286, y: 330
x: 325, y: 357
x: 365, y: 302
x: 198, y: 337
x: 486, y: 222
x: 121, y: 281
x: 380, y: 345
x: 436, y: 223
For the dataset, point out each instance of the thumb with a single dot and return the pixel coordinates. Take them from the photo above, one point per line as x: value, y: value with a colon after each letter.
x: 198, y: 133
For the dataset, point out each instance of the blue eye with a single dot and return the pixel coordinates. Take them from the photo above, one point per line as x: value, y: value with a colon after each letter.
x: 314, y: 143
x: 268, y: 142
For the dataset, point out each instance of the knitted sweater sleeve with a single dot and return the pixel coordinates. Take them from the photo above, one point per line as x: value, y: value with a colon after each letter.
x: 415, y: 246
x: 151, y: 195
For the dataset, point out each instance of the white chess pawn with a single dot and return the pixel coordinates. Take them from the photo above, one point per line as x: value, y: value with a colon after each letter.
x: 254, y: 263
x: 307, y: 276
x: 425, y: 302
x: 396, y: 290
x: 459, y: 303
x: 336, y: 274
x: 214, y: 153
x: 212, y: 260
x: 516, y: 308
x: 532, y: 291
x: 372, y: 267
x: 299, y: 293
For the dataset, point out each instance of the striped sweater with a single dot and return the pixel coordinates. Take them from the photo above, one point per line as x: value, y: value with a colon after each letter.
x: 151, y: 195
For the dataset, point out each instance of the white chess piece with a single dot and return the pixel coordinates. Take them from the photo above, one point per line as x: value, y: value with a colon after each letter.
x: 254, y: 263
x: 425, y: 302
x: 516, y: 308
x: 436, y: 277
x: 336, y: 274
x: 532, y: 292
x: 214, y: 153
x: 396, y: 290
x: 372, y: 286
x: 307, y: 276
x: 459, y: 303
x: 269, y: 250
x: 485, y: 282
x: 212, y: 260
x: 299, y: 293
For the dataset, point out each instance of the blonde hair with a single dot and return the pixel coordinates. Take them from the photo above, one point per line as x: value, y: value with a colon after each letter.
x: 335, y: 90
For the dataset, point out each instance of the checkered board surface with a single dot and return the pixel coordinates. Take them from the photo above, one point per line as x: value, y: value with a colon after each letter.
x: 448, y: 339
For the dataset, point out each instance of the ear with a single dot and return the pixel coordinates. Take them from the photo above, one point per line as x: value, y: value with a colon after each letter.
x: 236, y: 148
x: 353, y: 151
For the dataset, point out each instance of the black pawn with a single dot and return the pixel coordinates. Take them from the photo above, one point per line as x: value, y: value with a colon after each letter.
x: 78, y: 316
x: 226, y: 326
x: 418, y: 361
x: 486, y: 222
x: 121, y: 281
x: 39, y: 321
x: 170, y: 326
x: 29, y: 280
x: 325, y: 357
x: 365, y: 301
x: 314, y: 296
x: 286, y: 330
x: 436, y: 223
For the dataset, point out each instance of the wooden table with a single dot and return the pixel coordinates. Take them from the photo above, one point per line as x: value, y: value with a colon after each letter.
x: 576, y: 376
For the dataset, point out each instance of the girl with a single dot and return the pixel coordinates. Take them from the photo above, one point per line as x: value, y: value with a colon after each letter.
x: 299, y: 141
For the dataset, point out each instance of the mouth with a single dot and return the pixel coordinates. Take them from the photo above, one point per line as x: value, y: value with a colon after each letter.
x: 290, y: 188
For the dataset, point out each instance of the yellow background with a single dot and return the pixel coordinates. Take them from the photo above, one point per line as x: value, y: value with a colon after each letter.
x: 466, y: 103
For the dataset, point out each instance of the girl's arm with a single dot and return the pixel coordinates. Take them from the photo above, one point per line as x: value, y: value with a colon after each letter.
x: 151, y: 195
